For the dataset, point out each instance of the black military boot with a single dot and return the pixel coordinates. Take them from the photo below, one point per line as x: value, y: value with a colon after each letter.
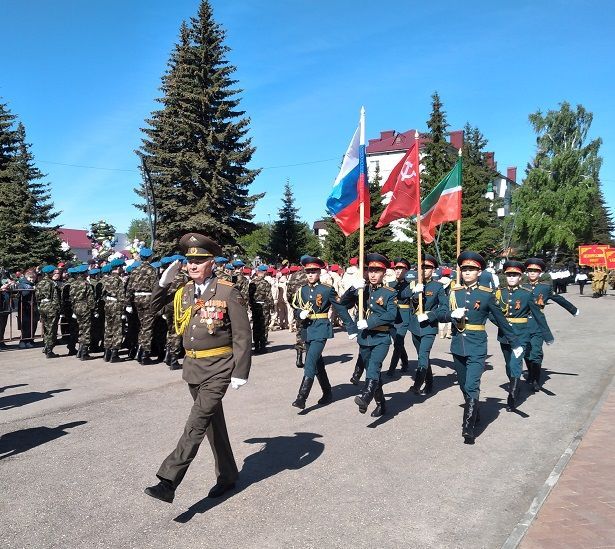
x: 513, y: 393
x: 428, y: 382
x: 167, y: 357
x: 107, y: 355
x: 72, y: 351
x: 174, y: 365
x: 363, y: 400
x: 304, y: 392
x: 163, y: 491
x: 394, y: 360
x: 132, y: 352
x: 146, y: 359
x: 536, y: 377
x: 380, y: 408
x: 530, y: 372
x: 114, y: 355
x: 299, y: 361
x: 139, y: 355
x: 470, y: 411
x: 419, y: 379
x: 325, y: 385
x: 84, y: 353
x: 49, y: 352
x: 263, y: 346
x: 358, y: 372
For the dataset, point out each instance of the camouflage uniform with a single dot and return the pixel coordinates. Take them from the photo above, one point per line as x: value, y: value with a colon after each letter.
x: 261, y: 303
x: 114, y: 299
x: 98, y: 322
x: 82, y: 301
x: 49, y: 302
x: 295, y: 282
x: 243, y: 286
x: 68, y: 325
x: 139, y: 291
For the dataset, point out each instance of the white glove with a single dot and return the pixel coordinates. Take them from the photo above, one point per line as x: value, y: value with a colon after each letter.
x: 577, y: 313
x: 352, y: 337
x: 169, y: 273
x: 96, y: 315
x: 418, y: 289
x: 303, y: 315
x: 237, y: 382
x: 359, y: 284
x: 164, y: 317
x: 74, y: 316
x: 518, y: 351
x: 458, y: 313
x: 123, y: 317
x: 362, y: 324
x: 422, y: 317
x: 129, y: 309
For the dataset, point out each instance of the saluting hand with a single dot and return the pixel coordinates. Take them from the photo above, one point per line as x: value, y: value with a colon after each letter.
x: 169, y: 273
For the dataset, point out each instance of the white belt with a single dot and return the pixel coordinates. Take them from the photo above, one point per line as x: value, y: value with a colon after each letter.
x: 143, y: 293
x: 45, y: 300
x: 110, y: 298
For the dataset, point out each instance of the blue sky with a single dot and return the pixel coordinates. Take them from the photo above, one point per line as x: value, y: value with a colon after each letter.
x: 83, y: 76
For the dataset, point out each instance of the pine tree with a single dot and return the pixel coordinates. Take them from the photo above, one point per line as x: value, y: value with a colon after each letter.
x: 288, y: 238
x: 603, y: 226
x: 196, y: 149
x: 26, y: 237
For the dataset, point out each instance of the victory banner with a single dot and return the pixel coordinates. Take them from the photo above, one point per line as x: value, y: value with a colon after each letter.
x: 593, y: 255
x: 610, y: 258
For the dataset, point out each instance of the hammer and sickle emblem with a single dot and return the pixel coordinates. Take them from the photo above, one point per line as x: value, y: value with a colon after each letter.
x: 405, y: 171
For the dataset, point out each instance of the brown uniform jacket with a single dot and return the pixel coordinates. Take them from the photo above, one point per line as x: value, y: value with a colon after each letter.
x: 234, y: 330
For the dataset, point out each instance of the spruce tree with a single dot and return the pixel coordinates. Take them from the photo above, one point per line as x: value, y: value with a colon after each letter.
x: 288, y: 238
x: 26, y: 237
x: 196, y: 149
x: 603, y: 226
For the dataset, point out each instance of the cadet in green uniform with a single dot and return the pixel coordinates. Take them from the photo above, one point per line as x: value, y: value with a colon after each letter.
x: 374, y: 338
x: 211, y: 315
x: 49, y: 301
x: 518, y: 306
x: 470, y: 306
x: 424, y: 326
x: 402, y: 323
x: 261, y: 304
x: 82, y: 303
x: 114, y: 298
x: 139, y: 292
x: 541, y: 292
x: 311, y: 304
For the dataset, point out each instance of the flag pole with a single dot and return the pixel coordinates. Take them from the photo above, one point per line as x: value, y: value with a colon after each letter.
x: 419, y: 251
x: 361, y: 184
x: 459, y: 224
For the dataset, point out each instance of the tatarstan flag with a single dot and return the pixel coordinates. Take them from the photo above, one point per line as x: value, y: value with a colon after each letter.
x: 442, y: 204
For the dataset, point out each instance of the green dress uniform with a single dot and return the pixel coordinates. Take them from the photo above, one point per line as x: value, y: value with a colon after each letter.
x: 435, y: 303
x: 217, y: 339
x: 542, y: 293
x: 49, y: 301
x: 315, y: 300
x: 469, y: 338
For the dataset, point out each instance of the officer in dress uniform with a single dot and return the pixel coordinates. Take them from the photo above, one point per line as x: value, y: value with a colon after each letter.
x: 541, y: 292
x: 518, y: 306
x: 374, y: 338
x: 311, y: 304
x: 424, y: 326
x: 470, y: 306
x: 402, y: 323
x: 211, y: 315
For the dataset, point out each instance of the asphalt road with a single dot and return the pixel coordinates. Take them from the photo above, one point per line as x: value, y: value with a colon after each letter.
x: 80, y: 441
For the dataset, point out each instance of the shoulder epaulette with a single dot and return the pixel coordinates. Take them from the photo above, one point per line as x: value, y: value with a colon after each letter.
x: 524, y: 288
x: 225, y: 282
x: 390, y: 289
x: 486, y: 289
x: 326, y: 284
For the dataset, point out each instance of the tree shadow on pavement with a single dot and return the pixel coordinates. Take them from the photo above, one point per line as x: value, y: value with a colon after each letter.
x: 21, y: 399
x: 282, y: 453
x: 18, y: 442
x: 2, y: 389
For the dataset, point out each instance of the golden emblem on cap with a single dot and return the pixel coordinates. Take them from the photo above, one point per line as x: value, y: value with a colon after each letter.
x: 192, y: 250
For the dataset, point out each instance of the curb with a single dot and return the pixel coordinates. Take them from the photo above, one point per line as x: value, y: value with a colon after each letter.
x: 524, y: 524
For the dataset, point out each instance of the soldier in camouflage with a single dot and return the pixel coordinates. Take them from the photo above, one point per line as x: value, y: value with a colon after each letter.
x: 98, y: 320
x: 261, y: 303
x: 48, y: 299
x: 174, y: 340
x: 297, y: 279
x: 82, y: 302
x: 241, y: 282
x: 68, y: 325
x: 114, y: 299
x: 139, y: 291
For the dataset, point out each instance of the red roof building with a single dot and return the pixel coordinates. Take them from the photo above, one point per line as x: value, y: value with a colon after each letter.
x: 78, y: 241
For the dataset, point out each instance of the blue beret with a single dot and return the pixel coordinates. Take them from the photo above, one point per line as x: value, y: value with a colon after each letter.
x: 167, y: 259
x: 219, y: 260
x: 238, y: 263
x: 80, y: 269
x: 106, y: 269
x: 48, y: 269
x: 117, y: 263
x: 262, y: 267
x: 146, y: 252
x: 93, y: 271
x: 156, y: 264
x: 229, y: 266
x: 133, y: 266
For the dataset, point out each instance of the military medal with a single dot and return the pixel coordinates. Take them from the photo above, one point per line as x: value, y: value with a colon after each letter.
x: 380, y: 301
x: 318, y: 300
x: 540, y: 301
x: 517, y: 304
x: 477, y: 305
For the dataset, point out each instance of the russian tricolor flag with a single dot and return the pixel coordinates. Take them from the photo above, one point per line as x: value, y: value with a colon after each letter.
x: 351, y: 185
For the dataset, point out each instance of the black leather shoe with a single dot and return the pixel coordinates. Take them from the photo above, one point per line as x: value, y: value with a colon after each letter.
x: 161, y: 491
x: 174, y: 365
x: 114, y: 355
x: 220, y: 489
x: 49, y: 353
x: 326, y: 398
x: 146, y: 359
x: 72, y: 351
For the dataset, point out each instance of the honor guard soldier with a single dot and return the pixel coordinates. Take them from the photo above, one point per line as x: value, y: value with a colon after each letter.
x: 402, y: 323
x: 470, y: 306
x: 380, y: 310
x: 82, y: 303
x: 424, y: 326
x: 541, y: 292
x: 211, y: 315
x: 49, y: 301
x: 114, y: 298
x: 518, y: 306
x: 261, y: 304
x: 311, y: 304
x: 139, y: 292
